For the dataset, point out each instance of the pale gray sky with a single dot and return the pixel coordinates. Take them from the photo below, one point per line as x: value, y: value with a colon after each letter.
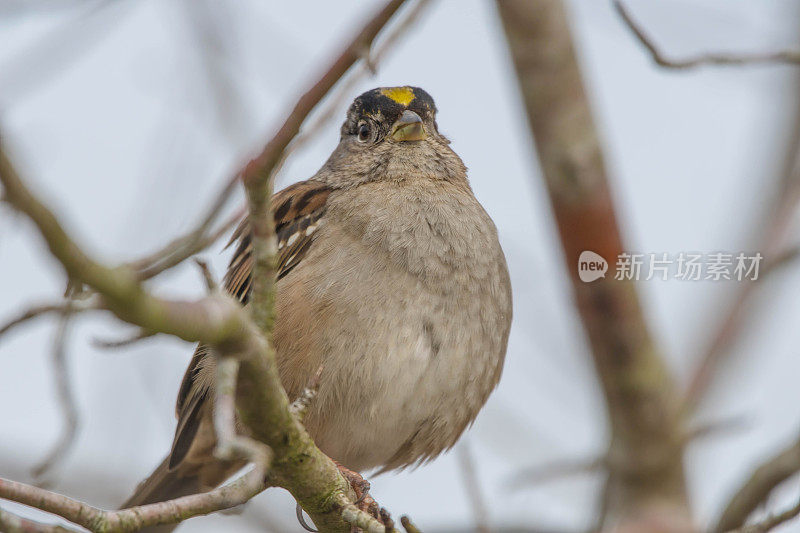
x: 108, y: 109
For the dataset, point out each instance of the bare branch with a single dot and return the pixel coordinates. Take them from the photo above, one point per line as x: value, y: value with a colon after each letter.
x: 722, y: 59
x: 773, y: 521
x: 640, y: 394
x: 371, y: 59
x: 37, y: 311
x: 358, y: 518
x: 120, y: 289
x: 195, y: 241
x: 215, y: 320
x: 66, y: 399
x: 716, y: 428
x: 300, y: 405
x: 471, y: 481
x: 208, y: 277
x: 556, y: 470
x: 758, y: 486
x: 135, y: 518
x: 230, y: 445
x: 782, y: 259
x: 119, y: 343
x: 203, y: 23
x: 11, y: 523
x: 261, y: 168
x: 771, y: 242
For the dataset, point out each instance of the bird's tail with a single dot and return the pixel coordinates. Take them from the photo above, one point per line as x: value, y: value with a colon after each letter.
x: 160, y: 486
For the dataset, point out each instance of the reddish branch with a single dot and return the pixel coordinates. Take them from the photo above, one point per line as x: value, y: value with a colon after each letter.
x: 771, y: 243
x: 11, y: 523
x: 261, y: 167
x: 646, y: 457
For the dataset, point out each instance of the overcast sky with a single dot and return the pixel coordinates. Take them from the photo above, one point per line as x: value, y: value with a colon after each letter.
x: 126, y: 115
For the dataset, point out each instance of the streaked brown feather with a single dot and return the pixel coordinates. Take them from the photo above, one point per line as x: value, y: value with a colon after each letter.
x: 296, y: 208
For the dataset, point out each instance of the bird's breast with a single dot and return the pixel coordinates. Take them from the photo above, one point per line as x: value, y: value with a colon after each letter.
x: 410, y: 307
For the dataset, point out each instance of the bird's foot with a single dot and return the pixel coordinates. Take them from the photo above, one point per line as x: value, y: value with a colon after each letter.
x: 360, y: 485
x: 364, y: 501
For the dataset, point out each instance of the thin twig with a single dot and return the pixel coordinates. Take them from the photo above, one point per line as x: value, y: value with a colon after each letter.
x: 358, y: 518
x: 37, y: 311
x: 214, y: 320
x: 11, y: 523
x: 66, y: 399
x: 716, y: 428
x: 194, y: 241
x: 556, y: 470
x: 782, y: 259
x: 231, y: 446
x: 127, y: 341
x: 755, y: 490
x: 771, y: 242
x: 204, y: 24
x: 35, y: 66
x: 261, y: 168
x: 208, y: 277
x: 721, y: 59
x: 299, y: 406
x: 466, y: 464
x: 343, y: 93
x: 135, y: 518
x: 773, y: 521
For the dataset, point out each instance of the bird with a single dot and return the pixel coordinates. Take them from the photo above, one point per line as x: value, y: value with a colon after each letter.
x: 391, y: 280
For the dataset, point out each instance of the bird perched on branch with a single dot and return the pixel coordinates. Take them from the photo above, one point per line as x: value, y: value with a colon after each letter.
x: 392, y: 279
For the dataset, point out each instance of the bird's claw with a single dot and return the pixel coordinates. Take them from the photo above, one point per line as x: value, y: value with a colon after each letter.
x: 364, y: 501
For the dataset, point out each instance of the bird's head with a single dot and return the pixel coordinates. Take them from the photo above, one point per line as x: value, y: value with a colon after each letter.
x: 391, y: 133
x: 391, y: 114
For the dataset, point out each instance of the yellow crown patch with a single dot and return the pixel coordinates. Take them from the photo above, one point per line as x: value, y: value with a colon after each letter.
x: 401, y: 95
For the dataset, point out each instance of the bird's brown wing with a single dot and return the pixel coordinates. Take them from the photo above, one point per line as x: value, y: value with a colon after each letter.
x: 297, y: 210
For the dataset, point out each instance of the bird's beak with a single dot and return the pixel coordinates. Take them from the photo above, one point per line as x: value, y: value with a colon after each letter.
x: 408, y: 127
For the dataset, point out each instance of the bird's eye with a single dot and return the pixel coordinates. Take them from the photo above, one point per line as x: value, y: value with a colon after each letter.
x: 364, y: 133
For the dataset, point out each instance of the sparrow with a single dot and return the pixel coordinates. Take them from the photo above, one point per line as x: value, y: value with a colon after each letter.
x: 391, y: 279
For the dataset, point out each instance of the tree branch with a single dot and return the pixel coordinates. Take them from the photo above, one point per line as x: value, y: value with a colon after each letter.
x: 471, y: 481
x: 535, y: 475
x: 771, y: 241
x: 773, y: 521
x: 369, y: 64
x: 783, y: 56
x: 182, y: 248
x: 758, y: 487
x: 646, y: 449
x: 37, y: 311
x: 299, y: 465
x: 260, y: 169
x: 135, y: 518
x: 11, y: 523
x: 66, y: 398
